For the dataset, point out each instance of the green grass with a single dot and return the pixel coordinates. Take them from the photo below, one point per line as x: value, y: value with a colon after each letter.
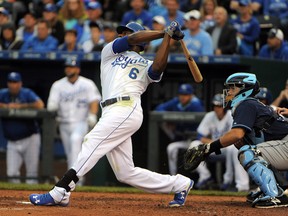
x: 47, y: 187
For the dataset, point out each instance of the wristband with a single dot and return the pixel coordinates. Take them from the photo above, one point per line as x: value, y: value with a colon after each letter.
x: 215, y: 146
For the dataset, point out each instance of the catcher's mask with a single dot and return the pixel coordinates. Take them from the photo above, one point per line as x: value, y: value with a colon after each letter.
x: 248, y: 84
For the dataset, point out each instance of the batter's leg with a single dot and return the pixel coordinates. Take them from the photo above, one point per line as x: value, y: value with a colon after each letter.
x: 121, y: 161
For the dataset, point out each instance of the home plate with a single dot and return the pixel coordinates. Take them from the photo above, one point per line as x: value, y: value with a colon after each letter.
x: 23, y: 202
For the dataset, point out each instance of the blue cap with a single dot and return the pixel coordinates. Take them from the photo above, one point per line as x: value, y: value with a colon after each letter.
x: 185, y: 89
x: 72, y: 61
x: 244, y: 2
x: 50, y: 8
x: 14, y: 77
x: 4, y: 11
x: 93, y: 5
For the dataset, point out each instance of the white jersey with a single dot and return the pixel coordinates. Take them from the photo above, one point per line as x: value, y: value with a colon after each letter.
x: 123, y: 74
x: 211, y: 125
x: 72, y: 100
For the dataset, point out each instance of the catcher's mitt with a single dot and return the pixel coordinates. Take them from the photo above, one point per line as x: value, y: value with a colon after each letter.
x: 194, y: 156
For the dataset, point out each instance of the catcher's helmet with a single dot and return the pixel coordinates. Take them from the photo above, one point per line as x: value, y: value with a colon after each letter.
x: 72, y: 61
x: 218, y: 100
x: 248, y: 84
x: 132, y: 27
x: 265, y: 94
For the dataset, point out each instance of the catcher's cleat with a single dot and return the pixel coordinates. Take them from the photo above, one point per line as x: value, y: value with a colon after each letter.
x: 180, y: 198
x: 274, y: 202
x: 46, y: 200
x: 253, y: 195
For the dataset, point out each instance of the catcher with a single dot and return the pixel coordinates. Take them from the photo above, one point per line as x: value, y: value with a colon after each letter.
x: 260, y: 134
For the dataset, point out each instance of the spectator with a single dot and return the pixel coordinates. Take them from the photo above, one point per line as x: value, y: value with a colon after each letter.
x: 207, y: 12
x: 74, y: 93
x: 138, y: 14
x: 277, y: 8
x: 50, y: 13
x: 223, y: 34
x: 94, y: 11
x: 70, y: 42
x: 8, y: 38
x: 4, y: 17
x: 189, y: 5
x: 156, y: 7
x: 186, y: 101
x: 43, y: 41
x: 248, y: 29
x: 172, y: 12
x: 19, y: 8
x: 276, y: 47
x: 96, y: 43
x: 38, y: 6
x: 158, y: 23
x: 282, y: 99
x: 214, y: 124
x: 109, y: 32
x: 198, y: 41
x: 73, y: 15
x: 23, y: 135
x: 256, y: 6
x: 29, y: 27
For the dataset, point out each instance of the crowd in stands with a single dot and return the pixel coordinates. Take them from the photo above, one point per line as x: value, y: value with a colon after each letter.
x: 211, y: 27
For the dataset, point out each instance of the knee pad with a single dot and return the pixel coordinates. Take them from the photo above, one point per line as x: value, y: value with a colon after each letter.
x: 258, y: 170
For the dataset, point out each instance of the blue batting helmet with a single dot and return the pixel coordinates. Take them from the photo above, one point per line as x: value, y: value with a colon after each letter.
x: 248, y: 84
x: 72, y: 61
x: 132, y: 27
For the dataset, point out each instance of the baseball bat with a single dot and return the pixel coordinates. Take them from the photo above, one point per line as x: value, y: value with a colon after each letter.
x: 192, y: 64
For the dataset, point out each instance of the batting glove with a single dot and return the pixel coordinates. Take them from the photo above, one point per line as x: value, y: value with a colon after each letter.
x: 92, y: 119
x: 174, y: 31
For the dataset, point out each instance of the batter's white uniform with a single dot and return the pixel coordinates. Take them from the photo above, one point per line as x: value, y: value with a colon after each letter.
x: 71, y: 100
x: 124, y: 74
x: 212, y: 126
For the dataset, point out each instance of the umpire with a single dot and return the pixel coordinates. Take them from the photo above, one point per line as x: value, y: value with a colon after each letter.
x: 22, y: 134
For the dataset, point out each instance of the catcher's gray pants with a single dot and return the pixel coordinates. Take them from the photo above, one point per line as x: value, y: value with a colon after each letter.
x: 275, y: 152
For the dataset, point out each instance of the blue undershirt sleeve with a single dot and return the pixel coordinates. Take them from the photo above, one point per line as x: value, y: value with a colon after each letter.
x: 121, y: 45
x: 153, y: 75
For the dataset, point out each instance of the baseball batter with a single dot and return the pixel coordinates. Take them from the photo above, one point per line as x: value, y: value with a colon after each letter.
x: 76, y: 100
x: 125, y: 75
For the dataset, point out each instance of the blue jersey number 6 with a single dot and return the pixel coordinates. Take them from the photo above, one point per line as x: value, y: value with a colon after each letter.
x: 133, y: 73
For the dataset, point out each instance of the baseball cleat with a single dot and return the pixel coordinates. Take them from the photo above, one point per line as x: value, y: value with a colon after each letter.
x: 274, y: 202
x: 180, y: 198
x: 253, y: 195
x: 46, y: 200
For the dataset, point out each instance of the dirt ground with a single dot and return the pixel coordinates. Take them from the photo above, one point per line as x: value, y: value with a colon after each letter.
x: 16, y: 203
